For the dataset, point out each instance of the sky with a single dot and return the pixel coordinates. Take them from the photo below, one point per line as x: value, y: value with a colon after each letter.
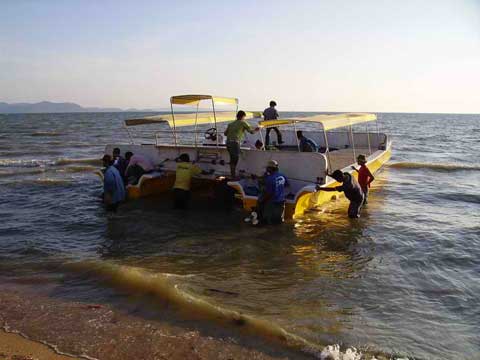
x: 311, y: 55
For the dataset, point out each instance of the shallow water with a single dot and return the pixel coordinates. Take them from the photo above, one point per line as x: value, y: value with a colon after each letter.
x: 404, y: 279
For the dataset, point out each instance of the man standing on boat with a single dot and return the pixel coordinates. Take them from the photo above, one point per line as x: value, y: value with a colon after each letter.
x: 235, y: 133
x: 271, y: 113
x: 352, y: 190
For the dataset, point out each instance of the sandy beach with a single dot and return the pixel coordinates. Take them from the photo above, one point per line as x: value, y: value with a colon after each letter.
x: 16, y: 347
x: 100, y: 331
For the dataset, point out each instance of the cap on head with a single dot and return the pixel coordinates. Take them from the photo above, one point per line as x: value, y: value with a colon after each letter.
x: 273, y: 103
x: 337, y: 175
x: 272, y: 164
x: 361, y: 158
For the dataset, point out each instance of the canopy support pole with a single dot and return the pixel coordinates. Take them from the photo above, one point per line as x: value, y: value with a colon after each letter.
x: 215, y: 119
x: 174, y: 127
x: 378, y: 135
x: 129, y: 135
x: 369, y: 145
x: 327, y: 151
x: 196, y: 119
x: 296, y: 137
x: 353, y: 144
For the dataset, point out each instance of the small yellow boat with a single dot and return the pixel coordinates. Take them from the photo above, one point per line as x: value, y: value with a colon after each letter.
x: 162, y: 138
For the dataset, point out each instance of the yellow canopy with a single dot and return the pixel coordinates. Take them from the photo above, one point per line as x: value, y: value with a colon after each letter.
x: 328, y: 122
x: 195, y: 99
x: 188, y: 119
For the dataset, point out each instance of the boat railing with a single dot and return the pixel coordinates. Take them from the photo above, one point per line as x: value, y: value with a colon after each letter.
x: 185, y: 138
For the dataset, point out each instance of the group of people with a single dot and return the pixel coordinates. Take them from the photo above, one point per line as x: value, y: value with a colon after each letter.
x: 119, y: 172
x: 235, y: 133
x: 356, y: 191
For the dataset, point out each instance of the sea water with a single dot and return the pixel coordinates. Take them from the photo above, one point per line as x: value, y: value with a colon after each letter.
x: 404, y: 279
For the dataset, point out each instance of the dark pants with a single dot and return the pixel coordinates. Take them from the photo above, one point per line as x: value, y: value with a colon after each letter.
x: 279, y: 136
x: 354, y: 209
x: 181, y: 199
x: 111, y: 207
x: 273, y: 212
x: 233, y: 148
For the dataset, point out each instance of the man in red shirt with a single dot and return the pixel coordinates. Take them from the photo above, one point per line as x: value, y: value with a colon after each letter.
x: 365, y: 177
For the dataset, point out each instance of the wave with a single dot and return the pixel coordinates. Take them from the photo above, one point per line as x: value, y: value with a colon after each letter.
x: 40, y: 181
x: 31, y: 152
x: 21, y: 163
x: 468, y: 198
x: 433, y: 166
x: 91, y: 161
x: 161, y: 286
x: 46, y: 133
x: 18, y: 173
x: 79, y: 168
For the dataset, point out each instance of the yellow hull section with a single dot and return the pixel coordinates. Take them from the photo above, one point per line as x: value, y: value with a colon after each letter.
x: 311, y: 200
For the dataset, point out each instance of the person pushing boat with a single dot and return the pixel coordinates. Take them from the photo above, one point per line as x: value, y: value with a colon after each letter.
x: 183, y: 179
x: 113, y: 187
x: 272, y: 207
x: 352, y: 190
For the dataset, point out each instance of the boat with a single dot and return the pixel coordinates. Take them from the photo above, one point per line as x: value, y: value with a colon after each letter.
x: 163, y: 138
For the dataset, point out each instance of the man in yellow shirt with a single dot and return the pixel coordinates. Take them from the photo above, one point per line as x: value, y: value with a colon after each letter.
x: 183, y: 179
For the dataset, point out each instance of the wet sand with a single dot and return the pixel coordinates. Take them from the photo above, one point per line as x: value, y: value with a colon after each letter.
x: 102, y: 331
x: 16, y: 347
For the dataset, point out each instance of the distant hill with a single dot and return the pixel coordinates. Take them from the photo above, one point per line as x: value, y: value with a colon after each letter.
x: 66, y: 107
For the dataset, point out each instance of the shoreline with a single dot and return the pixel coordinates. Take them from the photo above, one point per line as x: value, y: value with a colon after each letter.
x: 14, y: 346
x: 103, y: 331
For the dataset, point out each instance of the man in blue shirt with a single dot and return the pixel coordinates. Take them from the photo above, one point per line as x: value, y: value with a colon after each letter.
x: 306, y: 144
x: 113, y: 187
x: 273, y: 199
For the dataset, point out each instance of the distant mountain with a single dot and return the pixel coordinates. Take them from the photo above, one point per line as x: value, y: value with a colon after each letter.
x: 67, y: 107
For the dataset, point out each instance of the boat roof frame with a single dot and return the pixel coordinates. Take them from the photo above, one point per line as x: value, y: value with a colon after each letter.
x: 327, y: 122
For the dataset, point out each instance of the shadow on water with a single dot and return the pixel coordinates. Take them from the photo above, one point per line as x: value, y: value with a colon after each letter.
x: 250, y: 270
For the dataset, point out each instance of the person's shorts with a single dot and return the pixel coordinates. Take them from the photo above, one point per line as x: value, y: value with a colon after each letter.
x: 233, y: 148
